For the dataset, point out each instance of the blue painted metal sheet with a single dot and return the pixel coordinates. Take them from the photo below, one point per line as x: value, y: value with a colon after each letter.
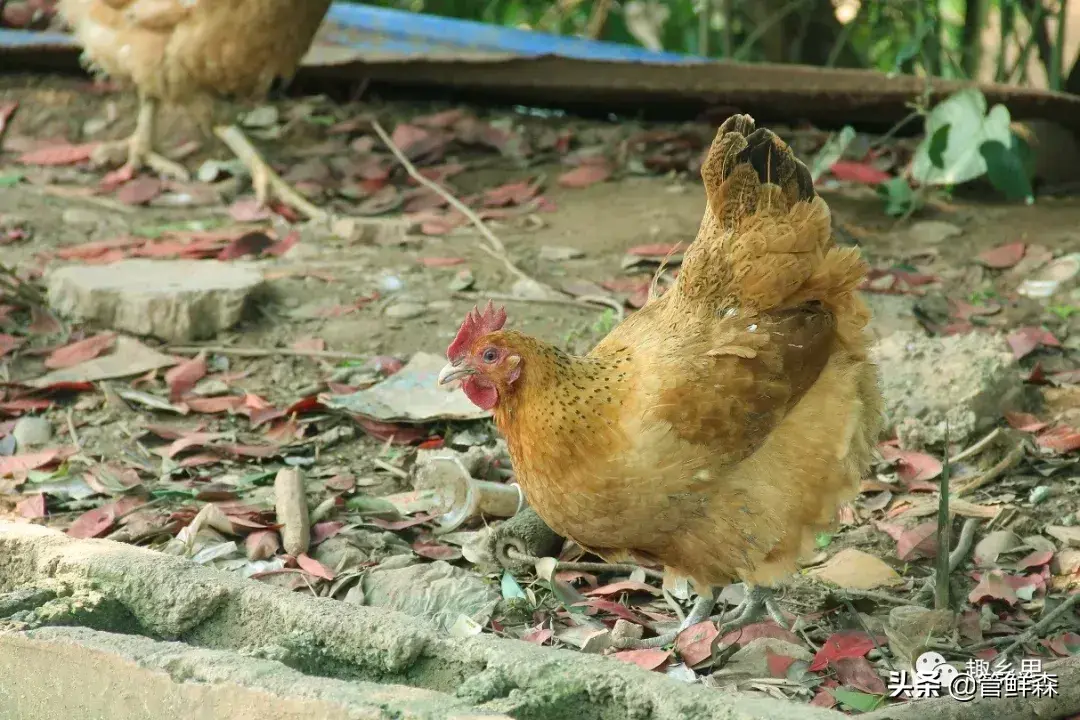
x: 414, y: 35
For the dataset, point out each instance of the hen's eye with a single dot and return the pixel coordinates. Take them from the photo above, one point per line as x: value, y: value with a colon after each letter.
x: 490, y: 355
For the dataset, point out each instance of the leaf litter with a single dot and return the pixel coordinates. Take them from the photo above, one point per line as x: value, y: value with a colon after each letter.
x: 207, y: 431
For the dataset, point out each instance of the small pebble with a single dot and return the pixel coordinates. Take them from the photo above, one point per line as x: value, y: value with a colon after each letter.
x: 32, y: 431
x: 405, y: 311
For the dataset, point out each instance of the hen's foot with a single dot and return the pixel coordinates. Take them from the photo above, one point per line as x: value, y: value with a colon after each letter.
x: 758, y: 601
x: 134, y: 156
x: 264, y: 180
x: 699, y: 613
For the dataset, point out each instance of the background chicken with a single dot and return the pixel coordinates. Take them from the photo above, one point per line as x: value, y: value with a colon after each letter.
x: 183, y: 52
x: 715, y: 431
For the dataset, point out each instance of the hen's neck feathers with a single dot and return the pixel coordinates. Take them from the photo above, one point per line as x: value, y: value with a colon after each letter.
x: 560, y: 399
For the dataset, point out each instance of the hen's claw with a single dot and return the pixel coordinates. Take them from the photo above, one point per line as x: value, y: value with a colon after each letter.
x: 758, y: 601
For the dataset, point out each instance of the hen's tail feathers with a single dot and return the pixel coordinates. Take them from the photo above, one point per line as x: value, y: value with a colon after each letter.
x: 766, y: 240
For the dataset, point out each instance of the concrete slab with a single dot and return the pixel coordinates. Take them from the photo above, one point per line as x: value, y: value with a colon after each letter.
x: 118, y: 588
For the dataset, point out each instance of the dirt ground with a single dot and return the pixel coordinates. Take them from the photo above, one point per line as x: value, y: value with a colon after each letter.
x: 332, y: 293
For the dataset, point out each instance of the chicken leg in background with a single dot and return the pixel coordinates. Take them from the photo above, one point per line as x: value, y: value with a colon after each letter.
x: 717, y: 429
x: 187, y: 52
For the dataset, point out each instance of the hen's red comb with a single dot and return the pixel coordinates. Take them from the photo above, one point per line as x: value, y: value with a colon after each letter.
x: 476, y: 325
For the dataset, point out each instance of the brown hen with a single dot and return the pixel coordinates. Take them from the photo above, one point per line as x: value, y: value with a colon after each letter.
x: 716, y: 430
x: 185, y: 52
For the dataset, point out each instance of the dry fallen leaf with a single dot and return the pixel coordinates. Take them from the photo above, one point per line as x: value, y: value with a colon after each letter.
x: 853, y: 569
x: 80, y: 352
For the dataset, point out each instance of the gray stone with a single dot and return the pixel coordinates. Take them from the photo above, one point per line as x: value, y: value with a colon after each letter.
x: 966, y: 381
x: 175, y: 300
x: 32, y: 431
x: 131, y: 592
x: 404, y: 311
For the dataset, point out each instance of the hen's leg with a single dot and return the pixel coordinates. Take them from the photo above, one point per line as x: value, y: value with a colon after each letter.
x: 758, y: 601
x: 139, y: 147
x: 263, y: 178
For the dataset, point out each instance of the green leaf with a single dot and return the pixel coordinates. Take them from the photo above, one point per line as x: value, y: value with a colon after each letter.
x: 510, y: 587
x: 822, y: 540
x: 970, y: 125
x: 831, y: 151
x: 371, y: 506
x: 1006, y: 172
x: 11, y: 180
x: 863, y: 702
x: 899, y: 198
x: 938, y: 142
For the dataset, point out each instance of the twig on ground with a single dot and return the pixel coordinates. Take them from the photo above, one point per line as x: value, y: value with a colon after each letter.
x: 956, y: 557
x: 875, y: 595
x: 976, y: 448
x: 944, y: 564
x: 589, y: 567
x: 1033, y: 632
x: 494, y: 247
x: 1004, y: 465
x: 70, y: 417
x: 290, y: 504
x: 264, y: 352
x: 584, y: 301
x: 392, y: 469
x: 76, y: 194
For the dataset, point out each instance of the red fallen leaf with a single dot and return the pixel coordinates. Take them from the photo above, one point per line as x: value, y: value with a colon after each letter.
x: 858, y: 172
x: 262, y: 545
x: 284, y: 431
x: 778, y: 664
x: 515, y: 193
x: 199, y: 460
x: 248, y: 451
x: 242, y: 523
x: 843, y: 644
x: 183, y: 377
x: 1003, y: 256
x: 98, y: 521
x: 440, y: 262
x: 585, y: 175
x: 625, y: 586
x: 250, y: 243
x: 309, y: 343
x: 1035, y: 559
x: 42, y: 323
x: 766, y: 629
x: 214, y: 405
x: 249, y: 210
x: 411, y: 140
x: 81, y: 351
x: 912, y: 466
x: 434, y: 443
x: 323, y: 531
x: 656, y: 250
x: 139, y: 191
x: 25, y: 462
x: 1061, y: 439
x: 18, y: 407
x: 32, y: 507
x: 386, y: 364
x: 314, y: 567
x: 436, y: 551
x: 187, y: 442
x: 823, y: 699
x: 263, y: 415
x: 993, y: 586
x: 1023, y: 341
x: 858, y: 673
x: 537, y: 635
x: 62, y: 154
x: 1025, y: 422
x: 647, y: 659
x: 1064, y: 644
x: 305, y: 405
x: 389, y: 432
x: 8, y: 343
x: 696, y: 643
x: 283, y: 245
x: 919, y: 541
x: 344, y: 483
x: 396, y: 525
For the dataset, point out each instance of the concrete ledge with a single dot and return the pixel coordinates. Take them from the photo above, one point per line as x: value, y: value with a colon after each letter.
x: 123, y: 589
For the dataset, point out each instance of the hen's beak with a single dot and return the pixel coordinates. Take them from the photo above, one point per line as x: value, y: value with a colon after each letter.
x: 452, y: 372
